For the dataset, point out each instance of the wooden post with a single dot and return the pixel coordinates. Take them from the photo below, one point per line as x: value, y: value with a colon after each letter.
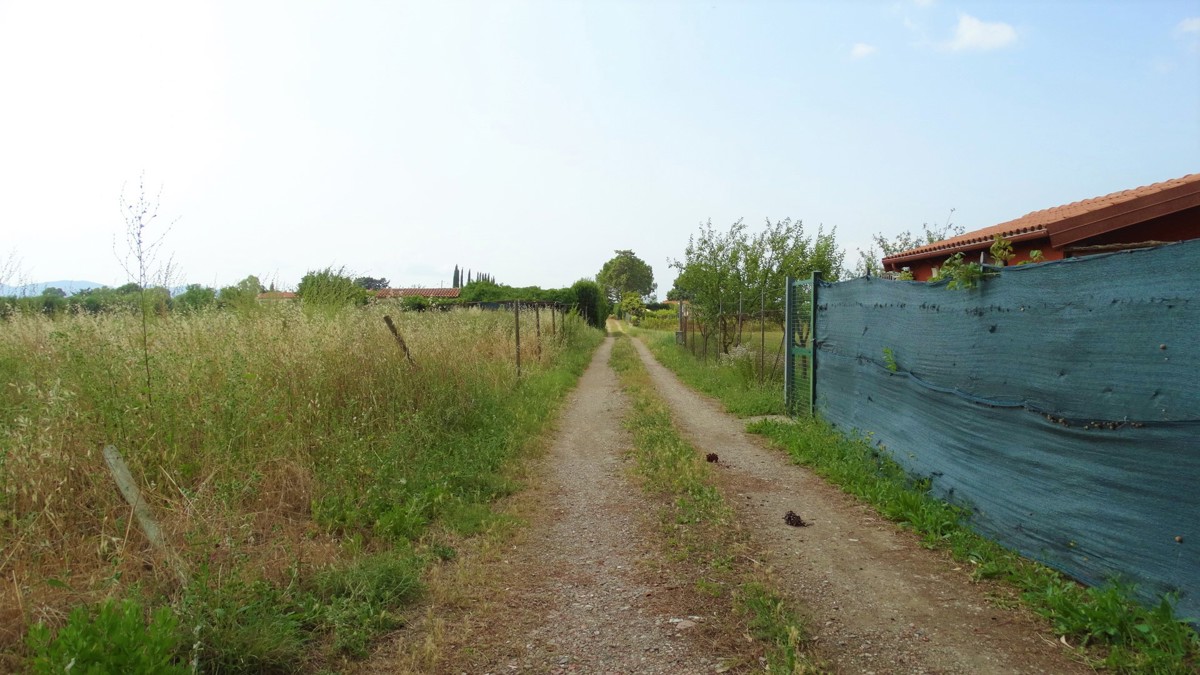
x: 517, y: 323
x: 129, y: 489
x: 537, y: 326
x: 403, y: 345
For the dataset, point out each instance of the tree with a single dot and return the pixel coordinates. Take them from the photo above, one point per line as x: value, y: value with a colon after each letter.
x: 330, y: 288
x: 242, y: 295
x: 590, y: 302
x: 456, y: 283
x: 721, y: 271
x: 371, y: 283
x: 626, y: 273
x: 632, y: 306
x: 54, y: 291
x: 196, y: 297
x: 869, y: 263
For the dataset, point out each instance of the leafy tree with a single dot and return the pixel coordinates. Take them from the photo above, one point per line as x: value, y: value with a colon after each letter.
x: 330, y: 288
x: 590, y: 302
x: 371, y: 283
x: 242, y: 295
x: 415, y: 303
x: 54, y: 291
x: 723, y: 270
x: 869, y: 263
x: 632, y: 306
x: 626, y: 273
x: 196, y: 297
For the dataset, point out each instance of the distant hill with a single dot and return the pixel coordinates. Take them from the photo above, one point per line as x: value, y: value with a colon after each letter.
x: 69, y: 286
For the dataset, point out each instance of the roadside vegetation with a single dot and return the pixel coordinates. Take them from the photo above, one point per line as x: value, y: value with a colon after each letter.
x: 1109, y: 628
x: 299, y: 459
x: 733, y: 377
x: 703, y: 536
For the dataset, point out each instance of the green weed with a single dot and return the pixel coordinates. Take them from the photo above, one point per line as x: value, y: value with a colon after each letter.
x: 113, y: 637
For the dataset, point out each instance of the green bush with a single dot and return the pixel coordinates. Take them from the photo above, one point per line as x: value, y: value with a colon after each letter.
x: 111, y: 638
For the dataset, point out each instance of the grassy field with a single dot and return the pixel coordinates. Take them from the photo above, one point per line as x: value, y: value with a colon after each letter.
x: 300, y: 467
x: 1112, y: 631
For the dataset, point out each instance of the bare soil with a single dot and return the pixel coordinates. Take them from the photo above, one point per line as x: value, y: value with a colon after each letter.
x: 583, y: 586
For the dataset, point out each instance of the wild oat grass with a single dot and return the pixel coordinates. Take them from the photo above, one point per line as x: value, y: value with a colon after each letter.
x: 271, y: 444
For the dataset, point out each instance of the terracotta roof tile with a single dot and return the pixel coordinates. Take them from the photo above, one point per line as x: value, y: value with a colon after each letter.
x: 418, y: 292
x: 1043, y: 222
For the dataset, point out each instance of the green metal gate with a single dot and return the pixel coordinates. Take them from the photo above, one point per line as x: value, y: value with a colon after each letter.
x: 800, y: 365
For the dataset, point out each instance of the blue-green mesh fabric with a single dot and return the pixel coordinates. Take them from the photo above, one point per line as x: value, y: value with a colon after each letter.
x: 1059, y: 402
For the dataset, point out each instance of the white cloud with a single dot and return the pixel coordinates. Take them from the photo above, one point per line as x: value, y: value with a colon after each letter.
x: 971, y: 33
x: 1189, y: 25
x: 862, y: 50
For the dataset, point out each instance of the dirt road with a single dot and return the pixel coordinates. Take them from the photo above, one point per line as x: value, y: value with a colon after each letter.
x: 876, y: 600
x: 577, y: 591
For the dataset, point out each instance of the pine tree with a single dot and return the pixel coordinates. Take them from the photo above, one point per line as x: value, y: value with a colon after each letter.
x: 454, y: 283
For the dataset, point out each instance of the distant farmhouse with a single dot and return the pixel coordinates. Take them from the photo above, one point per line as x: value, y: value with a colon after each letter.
x: 1145, y: 216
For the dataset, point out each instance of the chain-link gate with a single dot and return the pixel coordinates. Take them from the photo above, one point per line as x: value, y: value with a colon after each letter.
x: 799, y: 374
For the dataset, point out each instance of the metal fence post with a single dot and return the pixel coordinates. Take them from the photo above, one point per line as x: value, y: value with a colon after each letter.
x: 812, y: 342
x: 789, y: 359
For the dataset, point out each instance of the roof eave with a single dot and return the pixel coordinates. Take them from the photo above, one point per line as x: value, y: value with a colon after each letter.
x: 975, y: 244
x: 1123, y: 214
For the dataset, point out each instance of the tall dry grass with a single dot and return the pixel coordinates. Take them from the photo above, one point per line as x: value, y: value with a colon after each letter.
x: 272, y: 443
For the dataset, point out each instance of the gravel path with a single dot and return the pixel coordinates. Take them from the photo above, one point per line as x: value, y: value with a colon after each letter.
x: 580, y: 592
x: 876, y: 600
x: 586, y: 564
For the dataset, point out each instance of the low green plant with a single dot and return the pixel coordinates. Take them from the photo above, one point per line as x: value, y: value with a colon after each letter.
x: 889, y: 359
x: 113, y: 637
x: 772, y: 621
x: 243, y: 627
x: 961, y: 274
x: 358, y: 602
x: 1001, y: 250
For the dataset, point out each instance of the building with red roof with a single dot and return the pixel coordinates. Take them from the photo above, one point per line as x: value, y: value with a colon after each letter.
x: 417, y: 293
x: 1146, y: 216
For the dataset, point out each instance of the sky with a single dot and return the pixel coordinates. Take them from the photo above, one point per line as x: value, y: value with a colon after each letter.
x: 530, y: 140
